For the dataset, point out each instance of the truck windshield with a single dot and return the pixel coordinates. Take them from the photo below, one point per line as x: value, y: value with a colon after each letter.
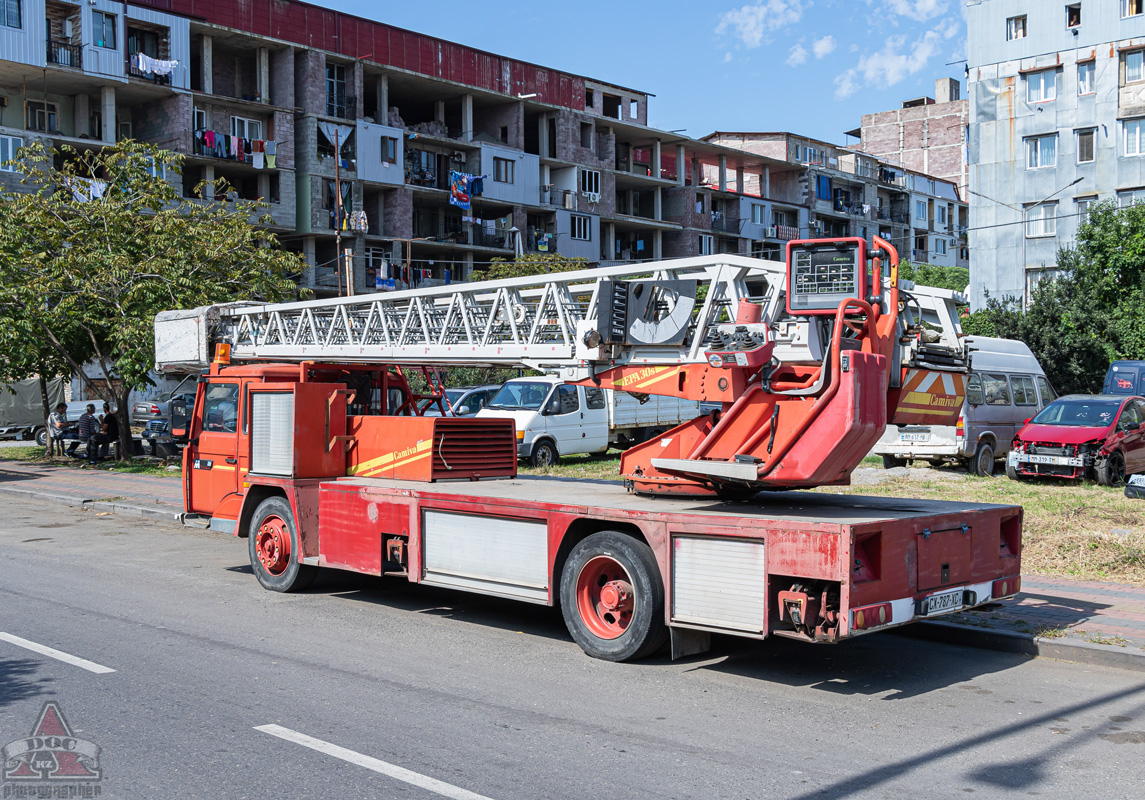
x: 521, y: 395
x: 1079, y: 412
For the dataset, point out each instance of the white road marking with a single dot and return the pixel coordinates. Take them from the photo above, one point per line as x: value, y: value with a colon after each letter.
x: 59, y: 655
x: 377, y: 765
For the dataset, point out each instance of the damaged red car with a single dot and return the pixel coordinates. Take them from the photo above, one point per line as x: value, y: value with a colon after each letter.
x: 1101, y: 437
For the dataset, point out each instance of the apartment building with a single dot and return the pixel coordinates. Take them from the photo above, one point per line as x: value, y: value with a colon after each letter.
x: 1057, y: 123
x: 926, y: 134
x: 422, y: 158
x: 851, y: 193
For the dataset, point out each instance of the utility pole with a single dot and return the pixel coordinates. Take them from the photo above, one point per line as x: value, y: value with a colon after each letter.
x: 338, y: 208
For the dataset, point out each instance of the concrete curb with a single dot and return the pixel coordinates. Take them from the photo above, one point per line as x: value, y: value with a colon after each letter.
x: 51, y: 497
x: 166, y: 513
x: 1101, y: 655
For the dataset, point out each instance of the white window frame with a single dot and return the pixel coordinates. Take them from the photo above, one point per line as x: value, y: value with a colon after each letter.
x: 1092, y: 133
x: 707, y: 244
x: 8, y: 147
x: 246, y: 128
x: 50, y: 113
x: 758, y: 213
x: 96, y: 14
x: 1086, y: 83
x: 580, y: 226
x: 1016, y: 27
x: 940, y: 246
x: 156, y: 170
x: 779, y: 216
x: 1038, y: 156
x: 503, y: 170
x: 199, y: 116
x: 1133, y: 196
x: 1131, y: 8
x: 19, y: 22
x: 1083, y: 206
x: 920, y: 210
x: 590, y: 181
x: 1134, y: 66
x: 1133, y: 137
x: 1045, y: 82
x: 1041, y: 220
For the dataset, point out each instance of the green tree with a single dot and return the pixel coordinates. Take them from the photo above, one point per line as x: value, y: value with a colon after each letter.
x: 926, y: 274
x: 100, y: 242
x: 529, y: 264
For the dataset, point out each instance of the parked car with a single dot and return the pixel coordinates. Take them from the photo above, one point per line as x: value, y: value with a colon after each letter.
x: 1125, y: 377
x: 1079, y: 436
x: 466, y: 401
x: 146, y: 411
x: 1005, y: 388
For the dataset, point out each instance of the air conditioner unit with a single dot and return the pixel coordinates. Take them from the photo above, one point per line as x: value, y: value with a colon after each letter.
x: 593, y: 197
x: 771, y: 232
x: 458, y: 155
x: 570, y: 201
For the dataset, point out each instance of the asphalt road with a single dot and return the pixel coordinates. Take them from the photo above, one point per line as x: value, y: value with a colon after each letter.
x: 380, y: 689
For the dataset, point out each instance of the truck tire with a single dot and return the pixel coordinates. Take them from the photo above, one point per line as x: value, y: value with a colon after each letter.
x: 1111, y: 471
x: 890, y: 462
x: 41, y: 436
x: 983, y: 463
x: 274, y: 548
x: 544, y: 454
x: 612, y: 597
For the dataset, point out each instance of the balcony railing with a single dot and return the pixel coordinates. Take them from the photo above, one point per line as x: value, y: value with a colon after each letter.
x: 344, y: 106
x: 561, y: 198
x: 65, y: 54
x: 135, y: 72
x: 725, y: 224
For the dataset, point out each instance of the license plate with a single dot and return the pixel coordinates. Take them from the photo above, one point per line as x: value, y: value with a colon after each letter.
x: 944, y: 601
x: 914, y: 437
x: 1137, y: 480
x: 1063, y: 460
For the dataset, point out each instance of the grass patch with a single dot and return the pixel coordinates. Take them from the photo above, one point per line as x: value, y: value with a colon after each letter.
x: 1116, y: 641
x: 604, y: 467
x: 35, y: 455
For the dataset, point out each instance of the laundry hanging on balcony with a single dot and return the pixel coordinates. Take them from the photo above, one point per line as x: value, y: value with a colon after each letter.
x: 337, y: 135
x: 153, y: 66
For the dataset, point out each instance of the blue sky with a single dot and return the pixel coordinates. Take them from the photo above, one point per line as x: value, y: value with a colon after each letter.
x: 808, y: 66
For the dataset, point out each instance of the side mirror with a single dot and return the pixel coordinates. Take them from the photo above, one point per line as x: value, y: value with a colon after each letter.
x: 554, y: 407
x: 461, y: 411
x: 179, y: 418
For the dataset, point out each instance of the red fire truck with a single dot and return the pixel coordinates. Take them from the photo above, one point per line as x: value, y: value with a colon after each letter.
x: 307, y: 438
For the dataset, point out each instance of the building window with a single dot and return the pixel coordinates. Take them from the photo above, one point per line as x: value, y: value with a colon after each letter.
x: 1042, y: 151
x: 920, y: 209
x: 590, y: 181
x: 1130, y: 8
x: 10, y: 13
x: 1133, y: 62
x: 1085, y: 143
x: 503, y: 170
x: 581, y: 227
x: 1073, y: 16
x: 1016, y: 28
x: 589, y: 98
x: 1085, y: 78
x: 103, y: 29
x: 246, y: 128
x: 1133, y: 129
x: 823, y: 187
x: 389, y: 149
x: 200, y: 117
x: 1041, y: 86
x: 941, y: 215
x: 707, y: 244
x: 780, y: 217
x: 940, y: 247
x: 1041, y: 220
x: 1084, y: 205
x: 1130, y: 197
x: 757, y: 213
x: 41, y: 116
x: 8, y: 147
x: 336, y: 90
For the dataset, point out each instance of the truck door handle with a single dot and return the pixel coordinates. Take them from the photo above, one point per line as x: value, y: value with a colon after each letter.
x: 232, y: 461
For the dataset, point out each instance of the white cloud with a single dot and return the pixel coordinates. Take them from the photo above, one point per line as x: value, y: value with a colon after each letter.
x: 824, y: 47
x: 727, y: 57
x: 796, y: 56
x: 920, y: 10
x: 749, y: 23
x: 889, y: 66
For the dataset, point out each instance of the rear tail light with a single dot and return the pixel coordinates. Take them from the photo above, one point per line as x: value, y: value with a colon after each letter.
x: 959, y: 428
x: 871, y: 616
x: 1007, y: 587
x: 154, y: 409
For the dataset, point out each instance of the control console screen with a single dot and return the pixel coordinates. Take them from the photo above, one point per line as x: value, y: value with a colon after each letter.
x: 822, y: 274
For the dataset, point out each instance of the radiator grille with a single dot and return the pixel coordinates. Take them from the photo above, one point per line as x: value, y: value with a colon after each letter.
x: 272, y: 433
x: 464, y: 448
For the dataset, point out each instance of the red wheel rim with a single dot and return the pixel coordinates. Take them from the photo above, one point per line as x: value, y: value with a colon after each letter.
x: 604, y: 597
x: 272, y: 544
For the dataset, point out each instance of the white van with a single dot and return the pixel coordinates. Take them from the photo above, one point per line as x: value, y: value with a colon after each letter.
x: 554, y: 418
x: 1005, y: 388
